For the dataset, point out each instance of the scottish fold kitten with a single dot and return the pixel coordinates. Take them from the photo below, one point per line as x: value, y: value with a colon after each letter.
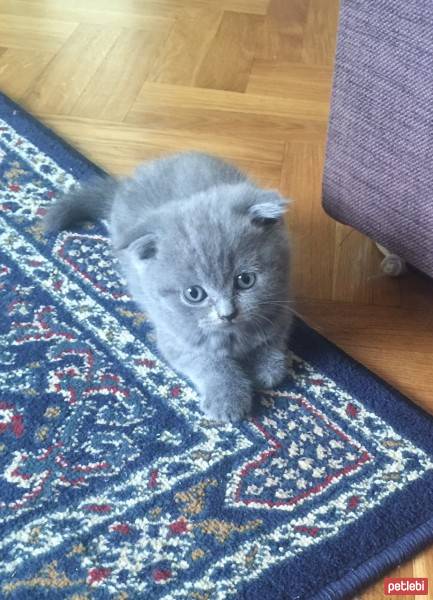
x: 205, y: 254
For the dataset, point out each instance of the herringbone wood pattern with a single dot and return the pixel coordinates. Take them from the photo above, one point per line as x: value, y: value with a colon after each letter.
x: 126, y: 80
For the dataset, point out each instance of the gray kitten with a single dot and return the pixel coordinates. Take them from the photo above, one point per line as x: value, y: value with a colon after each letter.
x: 205, y: 254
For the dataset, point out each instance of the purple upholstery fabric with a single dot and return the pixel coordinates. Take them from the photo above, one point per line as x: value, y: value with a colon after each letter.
x: 379, y: 167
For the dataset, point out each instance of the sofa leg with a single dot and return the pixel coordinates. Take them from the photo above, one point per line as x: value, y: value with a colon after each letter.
x: 391, y: 265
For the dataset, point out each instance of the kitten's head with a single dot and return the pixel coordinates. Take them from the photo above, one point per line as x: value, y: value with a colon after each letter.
x: 216, y: 264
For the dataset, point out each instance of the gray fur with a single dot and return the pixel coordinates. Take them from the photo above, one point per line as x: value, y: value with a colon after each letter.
x: 192, y: 219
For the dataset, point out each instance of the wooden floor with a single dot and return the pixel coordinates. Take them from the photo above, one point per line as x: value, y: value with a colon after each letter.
x: 126, y: 80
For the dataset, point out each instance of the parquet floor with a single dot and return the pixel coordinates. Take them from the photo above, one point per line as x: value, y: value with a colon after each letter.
x: 125, y: 80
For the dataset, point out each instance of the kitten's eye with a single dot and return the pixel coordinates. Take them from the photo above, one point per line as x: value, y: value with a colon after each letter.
x: 194, y: 294
x: 244, y: 281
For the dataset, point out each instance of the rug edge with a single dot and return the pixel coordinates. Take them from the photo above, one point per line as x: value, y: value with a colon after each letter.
x: 376, y: 567
x: 22, y: 114
x: 329, y: 367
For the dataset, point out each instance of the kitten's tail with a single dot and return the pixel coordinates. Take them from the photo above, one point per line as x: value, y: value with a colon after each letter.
x: 89, y: 202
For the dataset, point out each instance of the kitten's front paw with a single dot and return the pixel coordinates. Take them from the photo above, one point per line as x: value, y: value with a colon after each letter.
x: 233, y: 407
x: 271, y: 370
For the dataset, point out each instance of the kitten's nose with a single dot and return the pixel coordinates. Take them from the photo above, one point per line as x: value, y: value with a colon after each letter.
x: 230, y: 316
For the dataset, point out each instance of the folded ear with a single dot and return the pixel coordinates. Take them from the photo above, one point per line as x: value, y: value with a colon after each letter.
x: 144, y: 247
x: 268, y: 208
x: 138, y: 240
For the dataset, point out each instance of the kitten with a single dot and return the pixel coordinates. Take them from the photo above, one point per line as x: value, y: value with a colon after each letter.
x: 205, y: 254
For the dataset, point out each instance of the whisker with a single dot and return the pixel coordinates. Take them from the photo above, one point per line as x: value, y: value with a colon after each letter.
x: 259, y: 329
x: 277, y: 302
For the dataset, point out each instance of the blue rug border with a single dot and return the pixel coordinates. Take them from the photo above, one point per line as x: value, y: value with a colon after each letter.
x: 67, y: 156
x: 406, y: 417
x: 371, y: 570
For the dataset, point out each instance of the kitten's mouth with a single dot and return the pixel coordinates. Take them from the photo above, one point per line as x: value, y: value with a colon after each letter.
x: 225, y: 327
x: 228, y: 323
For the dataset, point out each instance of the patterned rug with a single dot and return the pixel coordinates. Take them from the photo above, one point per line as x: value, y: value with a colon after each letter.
x: 113, y: 486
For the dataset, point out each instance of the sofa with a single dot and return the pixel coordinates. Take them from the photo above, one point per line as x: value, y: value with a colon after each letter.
x: 378, y: 173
